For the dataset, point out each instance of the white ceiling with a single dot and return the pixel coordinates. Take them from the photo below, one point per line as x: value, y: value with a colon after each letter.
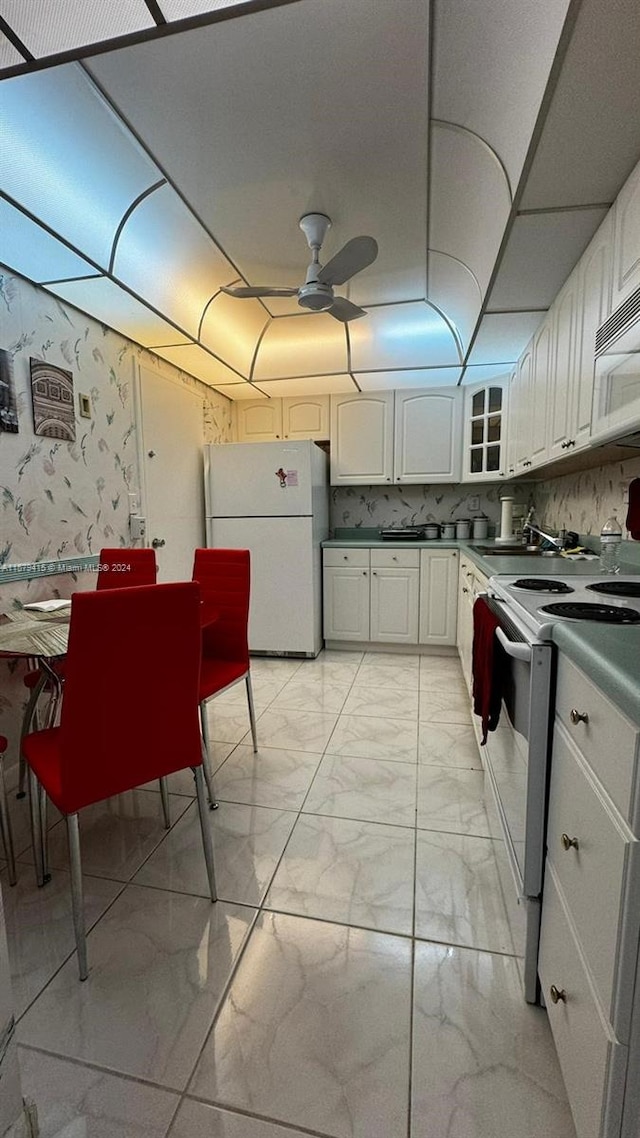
x: 146, y: 163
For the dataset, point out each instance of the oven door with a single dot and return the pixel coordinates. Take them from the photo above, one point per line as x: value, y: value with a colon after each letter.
x: 517, y: 752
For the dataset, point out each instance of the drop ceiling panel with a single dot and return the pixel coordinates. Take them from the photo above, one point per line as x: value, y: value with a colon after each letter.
x: 502, y: 337
x: 310, y: 385
x: 196, y: 361
x: 79, y: 181
x: 105, y: 301
x: 182, y: 9
x: 232, y: 328
x: 301, y: 345
x: 470, y: 200
x: 240, y: 391
x: 591, y: 138
x: 541, y: 252
x: 456, y: 292
x: 401, y: 336
x: 491, y: 64
x: 49, y: 26
x: 408, y: 380
x: 164, y: 254
x: 9, y: 55
x: 307, y: 107
x: 484, y: 373
x: 31, y: 251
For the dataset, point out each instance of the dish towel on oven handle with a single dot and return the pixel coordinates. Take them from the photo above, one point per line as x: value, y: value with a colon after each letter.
x: 488, y: 665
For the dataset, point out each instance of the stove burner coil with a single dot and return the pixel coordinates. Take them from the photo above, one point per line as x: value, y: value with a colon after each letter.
x: 542, y: 585
x: 604, y: 613
x: 617, y: 588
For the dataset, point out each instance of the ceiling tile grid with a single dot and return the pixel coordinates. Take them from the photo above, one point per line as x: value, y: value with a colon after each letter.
x: 46, y: 27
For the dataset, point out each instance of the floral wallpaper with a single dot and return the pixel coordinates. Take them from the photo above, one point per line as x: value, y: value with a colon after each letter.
x: 583, y: 501
x: 410, y: 505
x: 61, y: 499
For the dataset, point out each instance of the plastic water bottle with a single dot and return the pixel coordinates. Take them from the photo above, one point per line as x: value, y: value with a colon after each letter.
x: 610, y: 538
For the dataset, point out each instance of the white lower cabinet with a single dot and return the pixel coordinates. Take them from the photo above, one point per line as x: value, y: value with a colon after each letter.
x: 438, y: 596
x: 590, y: 930
x: 390, y: 596
x: 471, y: 582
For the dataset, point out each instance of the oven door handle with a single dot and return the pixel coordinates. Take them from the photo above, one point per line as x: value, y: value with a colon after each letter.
x: 517, y: 651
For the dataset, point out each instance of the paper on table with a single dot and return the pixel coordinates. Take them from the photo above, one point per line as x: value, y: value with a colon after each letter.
x: 47, y: 606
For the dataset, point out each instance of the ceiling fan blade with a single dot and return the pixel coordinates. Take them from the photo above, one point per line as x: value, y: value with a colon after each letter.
x: 259, y: 290
x: 351, y: 259
x: 342, y: 309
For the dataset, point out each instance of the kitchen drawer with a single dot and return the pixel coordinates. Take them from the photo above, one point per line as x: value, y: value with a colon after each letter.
x: 608, y: 740
x: 358, y: 558
x: 596, y: 877
x: 395, y: 558
x: 593, y: 1061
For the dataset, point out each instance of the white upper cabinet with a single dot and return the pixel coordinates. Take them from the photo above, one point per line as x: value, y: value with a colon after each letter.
x: 362, y: 439
x: 259, y: 421
x: 594, y: 303
x: 305, y: 417
x: 512, y: 423
x: 523, y: 407
x: 484, y: 446
x: 539, y: 392
x: 427, y: 435
x: 564, y: 318
x: 626, y: 245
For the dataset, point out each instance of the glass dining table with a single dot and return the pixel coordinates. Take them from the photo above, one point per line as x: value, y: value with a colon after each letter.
x: 41, y: 637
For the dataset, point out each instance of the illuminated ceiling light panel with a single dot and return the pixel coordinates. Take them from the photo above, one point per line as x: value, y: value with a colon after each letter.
x: 79, y: 181
x: 106, y: 302
x: 29, y: 250
x: 309, y: 385
x: 196, y: 361
x: 301, y: 345
x: 402, y: 336
x: 165, y: 255
x: 408, y: 380
x: 9, y: 55
x: 182, y: 9
x: 240, y: 391
x: 49, y: 26
x: 231, y: 328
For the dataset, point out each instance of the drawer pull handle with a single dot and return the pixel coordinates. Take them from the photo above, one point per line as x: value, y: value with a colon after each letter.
x: 578, y: 716
x: 346, y: 557
x: 557, y: 994
x: 394, y: 557
x: 568, y: 843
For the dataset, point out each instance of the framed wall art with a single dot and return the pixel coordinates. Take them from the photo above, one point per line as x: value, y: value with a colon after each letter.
x: 52, y: 397
x: 8, y: 409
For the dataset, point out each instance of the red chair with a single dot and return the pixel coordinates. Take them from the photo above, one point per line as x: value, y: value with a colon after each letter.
x: 117, y: 569
x: 129, y: 649
x: 224, y: 576
x: 5, y: 821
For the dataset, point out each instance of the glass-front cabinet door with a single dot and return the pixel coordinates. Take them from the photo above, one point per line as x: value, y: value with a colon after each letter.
x: 485, y: 422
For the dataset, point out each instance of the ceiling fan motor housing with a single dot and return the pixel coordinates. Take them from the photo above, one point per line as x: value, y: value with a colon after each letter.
x: 316, y: 296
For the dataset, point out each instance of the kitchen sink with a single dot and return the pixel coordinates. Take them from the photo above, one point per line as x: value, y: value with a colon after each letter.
x: 514, y: 551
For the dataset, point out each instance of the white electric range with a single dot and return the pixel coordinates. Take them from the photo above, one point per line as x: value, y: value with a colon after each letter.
x: 517, y: 754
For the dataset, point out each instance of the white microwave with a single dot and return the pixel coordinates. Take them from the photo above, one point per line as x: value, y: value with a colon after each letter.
x: 616, y: 389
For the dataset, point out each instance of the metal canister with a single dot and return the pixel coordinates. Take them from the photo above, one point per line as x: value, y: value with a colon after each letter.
x: 432, y: 531
x: 480, y: 527
x: 449, y: 530
x: 463, y: 529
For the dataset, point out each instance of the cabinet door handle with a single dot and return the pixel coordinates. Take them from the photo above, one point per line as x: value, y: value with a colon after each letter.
x: 568, y: 842
x: 557, y: 994
x: 394, y: 558
x: 374, y: 573
x: 465, y: 589
x: 364, y: 572
x: 345, y: 557
x: 578, y: 716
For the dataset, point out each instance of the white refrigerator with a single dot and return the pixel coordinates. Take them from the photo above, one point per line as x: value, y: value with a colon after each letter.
x: 273, y: 499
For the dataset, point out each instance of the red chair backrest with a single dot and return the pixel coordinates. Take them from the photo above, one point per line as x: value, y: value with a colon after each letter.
x: 224, y: 576
x: 130, y: 708
x: 124, y: 568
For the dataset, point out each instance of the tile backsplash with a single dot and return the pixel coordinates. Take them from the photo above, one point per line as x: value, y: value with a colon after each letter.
x: 366, y: 506
x: 583, y: 501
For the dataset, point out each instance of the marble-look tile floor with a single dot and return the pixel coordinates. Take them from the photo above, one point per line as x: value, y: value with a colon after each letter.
x: 357, y: 977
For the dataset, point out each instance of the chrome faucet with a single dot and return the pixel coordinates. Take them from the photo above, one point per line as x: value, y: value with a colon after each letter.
x: 529, y: 528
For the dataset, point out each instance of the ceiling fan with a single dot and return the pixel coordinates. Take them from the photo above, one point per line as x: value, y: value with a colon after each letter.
x: 317, y: 291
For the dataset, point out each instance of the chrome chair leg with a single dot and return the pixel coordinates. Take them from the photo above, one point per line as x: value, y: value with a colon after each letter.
x: 252, y: 712
x: 206, y: 763
x: 5, y: 829
x: 36, y: 829
x: 164, y: 795
x: 207, y: 842
x: 77, y: 899
x: 44, y: 832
